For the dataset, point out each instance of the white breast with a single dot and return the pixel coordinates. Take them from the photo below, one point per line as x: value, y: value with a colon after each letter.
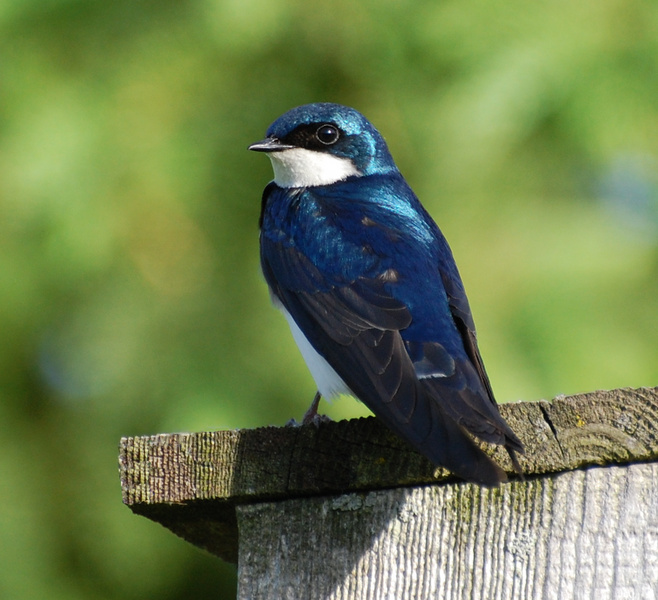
x: 329, y: 383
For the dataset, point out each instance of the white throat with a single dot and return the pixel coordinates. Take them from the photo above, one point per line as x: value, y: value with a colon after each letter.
x: 299, y: 167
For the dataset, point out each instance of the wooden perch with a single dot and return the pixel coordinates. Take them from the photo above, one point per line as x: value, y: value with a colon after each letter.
x: 342, y: 477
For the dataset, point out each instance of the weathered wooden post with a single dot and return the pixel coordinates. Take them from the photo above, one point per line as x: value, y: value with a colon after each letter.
x: 347, y: 511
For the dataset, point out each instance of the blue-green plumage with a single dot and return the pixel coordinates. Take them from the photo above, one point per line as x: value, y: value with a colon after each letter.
x: 371, y: 290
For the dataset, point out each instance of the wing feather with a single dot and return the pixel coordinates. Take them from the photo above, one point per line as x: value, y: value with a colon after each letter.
x: 428, y: 391
x: 357, y: 329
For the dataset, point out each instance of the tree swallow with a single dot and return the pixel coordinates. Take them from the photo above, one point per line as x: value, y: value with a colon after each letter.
x: 371, y: 292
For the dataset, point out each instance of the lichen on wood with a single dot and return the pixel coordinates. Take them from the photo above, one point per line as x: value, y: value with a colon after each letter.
x: 192, y: 482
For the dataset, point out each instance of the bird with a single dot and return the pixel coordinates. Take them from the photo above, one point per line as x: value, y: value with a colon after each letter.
x: 371, y: 292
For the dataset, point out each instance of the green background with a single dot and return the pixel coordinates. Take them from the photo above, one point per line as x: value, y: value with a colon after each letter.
x: 131, y: 297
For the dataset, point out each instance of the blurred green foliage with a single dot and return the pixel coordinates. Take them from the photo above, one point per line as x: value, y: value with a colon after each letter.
x: 132, y: 301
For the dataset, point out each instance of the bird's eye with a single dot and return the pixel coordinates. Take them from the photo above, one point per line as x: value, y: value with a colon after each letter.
x: 327, y: 134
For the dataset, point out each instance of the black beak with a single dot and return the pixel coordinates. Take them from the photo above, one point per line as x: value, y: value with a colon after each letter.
x: 270, y: 144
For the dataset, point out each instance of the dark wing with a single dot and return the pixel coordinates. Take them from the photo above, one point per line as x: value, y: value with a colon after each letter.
x: 485, y: 421
x: 356, y: 328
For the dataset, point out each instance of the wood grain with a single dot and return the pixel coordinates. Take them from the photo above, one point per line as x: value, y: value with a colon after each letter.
x: 193, y: 482
x: 583, y: 534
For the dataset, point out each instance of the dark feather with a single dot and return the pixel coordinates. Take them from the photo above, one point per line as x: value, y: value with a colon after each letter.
x: 356, y: 328
x: 418, y: 370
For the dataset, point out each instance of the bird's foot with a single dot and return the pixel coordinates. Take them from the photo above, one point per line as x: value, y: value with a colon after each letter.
x: 317, y: 419
x: 311, y: 417
x: 312, y: 412
x: 314, y: 420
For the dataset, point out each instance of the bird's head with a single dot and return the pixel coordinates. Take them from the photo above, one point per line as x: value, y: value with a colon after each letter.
x: 322, y: 143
